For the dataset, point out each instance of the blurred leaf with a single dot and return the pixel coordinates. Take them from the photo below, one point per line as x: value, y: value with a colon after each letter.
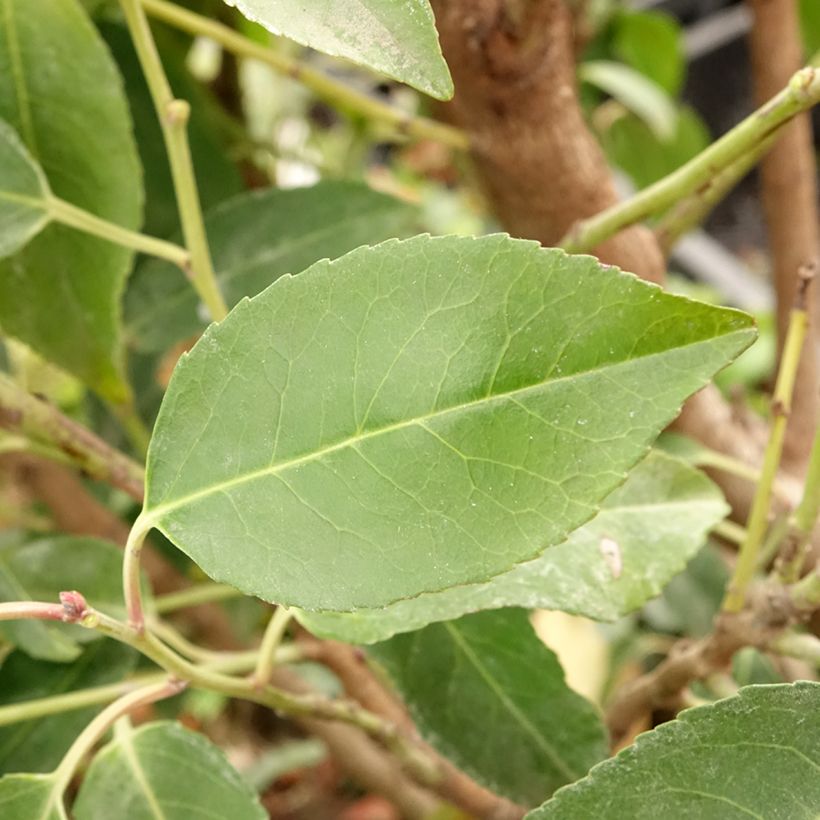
x: 476, y: 400
x: 255, y: 238
x: 651, y: 43
x: 753, y: 755
x: 38, y: 745
x: 692, y: 599
x: 643, y: 97
x: 656, y: 520
x: 23, y: 189
x: 397, y: 39
x: 39, y: 570
x: 490, y: 670
x: 810, y: 25
x: 631, y: 145
x: 72, y: 115
x: 163, y: 770
x: 750, y: 665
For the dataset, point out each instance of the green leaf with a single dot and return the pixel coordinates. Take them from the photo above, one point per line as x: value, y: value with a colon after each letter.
x: 492, y: 698
x: 397, y: 39
x: 640, y: 95
x: 162, y: 770
x: 31, y: 797
x: 418, y: 415
x: 810, y: 26
x: 38, y: 745
x: 72, y: 115
x: 23, y: 189
x: 39, y: 570
x: 630, y: 144
x: 651, y: 43
x: 645, y: 533
x: 753, y: 755
x: 255, y: 238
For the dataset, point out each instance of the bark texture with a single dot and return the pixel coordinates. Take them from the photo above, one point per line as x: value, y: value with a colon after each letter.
x: 514, y: 71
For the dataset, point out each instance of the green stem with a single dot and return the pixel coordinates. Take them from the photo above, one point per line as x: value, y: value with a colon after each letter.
x: 798, y: 645
x: 802, y: 92
x: 173, y: 117
x: 131, y: 580
x: 331, y: 91
x: 68, y: 214
x: 693, y: 210
x: 194, y: 596
x: 44, y: 424
x: 103, y: 722
x: 277, y: 626
x: 730, y: 531
x: 748, y: 557
x: 805, y: 594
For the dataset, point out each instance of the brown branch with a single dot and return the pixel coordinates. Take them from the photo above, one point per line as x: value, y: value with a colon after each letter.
x: 789, y: 195
x: 514, y: 72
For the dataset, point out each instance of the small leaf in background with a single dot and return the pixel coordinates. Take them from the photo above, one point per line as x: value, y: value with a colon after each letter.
x: 651, y: 43
x: 418, y: 415
x: 255, y: 238
x: 66, y: 285
x: 492, y: 698
x: 631, y: 145
x: 30, y: 797
x: 38, y: 745
x: 752, y: 755
x: 638, y: 94
x: 164, y: 770
x: 810, y: 26
x: 23, y: 189
x: 644, y: 534
x: 39, y: 570
x: 397, y: 39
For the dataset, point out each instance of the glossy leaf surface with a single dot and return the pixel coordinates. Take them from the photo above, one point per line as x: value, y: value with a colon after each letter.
x: 255, y: 238
x: 753, y: 755
x: 23, y: 189
x: 73, y: 117
x: 492, y: 698
x: 38, y: 745
x: 163, y: 770
x: 645, y: 533
x: 397, y: 39
x: 418, y: 415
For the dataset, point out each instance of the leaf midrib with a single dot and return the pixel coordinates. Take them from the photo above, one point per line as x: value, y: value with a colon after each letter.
x: 151, y: 515
x: 511, y: 707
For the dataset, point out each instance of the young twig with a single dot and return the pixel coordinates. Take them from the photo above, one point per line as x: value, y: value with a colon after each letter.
x: 748, y: 557
x: 802, y: 92
x: 271, y: 640
x: 173, y: 118
x: 42, y: 422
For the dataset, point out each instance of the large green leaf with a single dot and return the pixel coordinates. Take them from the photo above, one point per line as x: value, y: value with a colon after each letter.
x: 492, y: 698
x: 753, y: 755
x: 397, y: 39
x: 23, y: 189
x: 162, y: 770
x: 39, y: 570
x: 61, y: 293
x: 645, y: 533
x: 418, y: 415
x: 38, y: 745
x: 30, y: 797
x: 256, y: 238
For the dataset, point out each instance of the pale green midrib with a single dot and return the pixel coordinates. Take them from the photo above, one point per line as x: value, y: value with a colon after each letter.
x: 511, y: 707
x: 125, y: 741
x: 151, y: 515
